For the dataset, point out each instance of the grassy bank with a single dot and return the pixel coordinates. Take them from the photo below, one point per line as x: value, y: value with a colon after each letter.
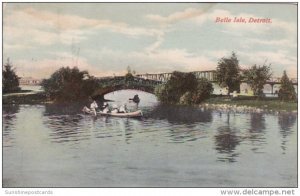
x: 35, y: 98
x: 38, y: 98
x: 244, y: 104
x: 269, y: 104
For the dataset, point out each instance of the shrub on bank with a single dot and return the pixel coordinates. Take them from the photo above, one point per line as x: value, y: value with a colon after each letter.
x: 10, y: 80
x: 69, y: 84
x: 287, y: 91
x: 184, y: 88
x: 203, y: 91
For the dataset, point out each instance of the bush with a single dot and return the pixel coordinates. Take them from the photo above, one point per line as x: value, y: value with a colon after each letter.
x: 178, y: 84
x: 186, y: 98
x: 129, y: 77
x: 256, y: 77
x: 67, y: 85
x: 184, y: 88
x: 287, y: 90
x: 203, y: 91
x: 228, y: 73
x: 10, y: 80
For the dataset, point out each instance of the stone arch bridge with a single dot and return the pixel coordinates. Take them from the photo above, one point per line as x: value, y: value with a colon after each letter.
x: 111, y: 84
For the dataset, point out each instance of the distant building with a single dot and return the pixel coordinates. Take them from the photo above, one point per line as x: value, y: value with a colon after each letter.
x: 29, y: 81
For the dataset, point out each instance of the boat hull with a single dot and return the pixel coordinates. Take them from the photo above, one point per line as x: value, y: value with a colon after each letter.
x: 135, y: 114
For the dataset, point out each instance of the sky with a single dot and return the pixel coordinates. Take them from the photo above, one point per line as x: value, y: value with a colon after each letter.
x: 106, y: 38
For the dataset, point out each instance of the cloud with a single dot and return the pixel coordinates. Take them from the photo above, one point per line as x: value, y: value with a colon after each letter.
x: 231, y: 26
x: 280, y: 60
x: 167, y: 60
x: 43, y: 68
x: 181, y: 15
x: 188, y: 13
x: 31, y: 26
x: 277, y: 42
x: 153, y: 47
x: 202, y: 15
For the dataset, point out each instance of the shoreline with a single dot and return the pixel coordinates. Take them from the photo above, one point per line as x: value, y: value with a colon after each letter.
x: 225, y: 108
x: 218, y: 104
x: 271, y: 106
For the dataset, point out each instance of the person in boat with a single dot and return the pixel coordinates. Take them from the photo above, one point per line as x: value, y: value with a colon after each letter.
x: 105, y: 108
x: 115, y: 109
x: 123, y: 109
x: 86, y: 109
x: 93, y: 107
x: 136, y: 99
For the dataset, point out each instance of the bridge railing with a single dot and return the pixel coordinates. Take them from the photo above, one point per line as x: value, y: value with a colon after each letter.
x: 278, y: 80
x: 210, y: 75
x: 155, y: 79
x: 123, y: 81
x: 164, y: 77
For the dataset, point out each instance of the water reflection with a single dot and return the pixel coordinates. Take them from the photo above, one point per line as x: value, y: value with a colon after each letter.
x: 257, y: 131
x: 9, y: 123
x: 128, y: 130
x: 66, y: 128
x: 226, y: 142
x: 65, y: 123
x: 181, y: 114
x: 184, y: 122
x: 286, y: 122
x: 63, y: 109
x: 180, y: 134
x: 197, y: 145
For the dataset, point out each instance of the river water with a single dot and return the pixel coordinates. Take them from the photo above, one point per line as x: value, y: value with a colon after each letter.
x: 58, y: 146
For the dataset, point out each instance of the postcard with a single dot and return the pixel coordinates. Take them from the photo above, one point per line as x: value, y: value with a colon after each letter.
x: 149, y: 95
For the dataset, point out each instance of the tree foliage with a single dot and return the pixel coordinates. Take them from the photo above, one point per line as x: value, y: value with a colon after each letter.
x: 184, y: 88
x: 10, y: 80
x: 178, y: 84
x: 69, y: 84
x: 287, y: 90
x: 228, y: 73
x: 129, y: 75
x: 256, y: 77
x: 203, y: 91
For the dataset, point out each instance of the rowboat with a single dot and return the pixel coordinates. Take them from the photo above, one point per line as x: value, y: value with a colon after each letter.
x: 86, y: 110
x: 135, y: 114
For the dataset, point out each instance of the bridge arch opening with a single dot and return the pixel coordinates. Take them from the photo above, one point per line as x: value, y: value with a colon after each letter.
x: 122, y: 96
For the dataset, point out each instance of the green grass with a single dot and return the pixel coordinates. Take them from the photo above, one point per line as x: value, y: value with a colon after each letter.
x: 36, y: 98
x: 269, y: 104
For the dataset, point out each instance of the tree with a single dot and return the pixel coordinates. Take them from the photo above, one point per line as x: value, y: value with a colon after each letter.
x: 203, y: 91
x: 128, y: 69
x: 287, y: 90
x: 129, y: 76
x: 257, y: 77
x: 228, y: 73
x: 69, y: 84
x: 178, y: 84
x: 10, y: 80
x: 184, y: 88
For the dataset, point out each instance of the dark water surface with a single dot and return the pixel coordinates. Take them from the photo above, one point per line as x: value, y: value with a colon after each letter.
x: 58, y: 146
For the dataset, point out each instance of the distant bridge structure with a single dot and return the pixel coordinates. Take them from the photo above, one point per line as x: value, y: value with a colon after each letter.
x: 164, y: 77
x: 148, y: 82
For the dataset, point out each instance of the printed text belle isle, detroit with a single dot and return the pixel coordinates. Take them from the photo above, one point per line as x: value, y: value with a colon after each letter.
x: 242, y: 20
